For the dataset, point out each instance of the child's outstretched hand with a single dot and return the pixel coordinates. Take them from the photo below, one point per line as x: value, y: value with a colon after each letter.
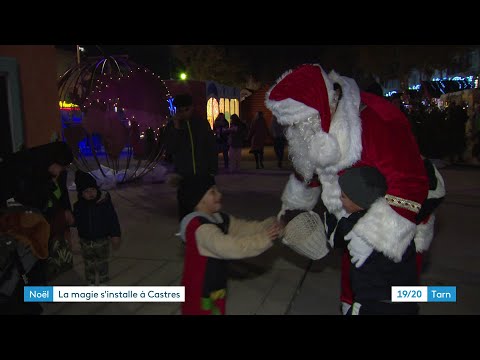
x: 274, y: 230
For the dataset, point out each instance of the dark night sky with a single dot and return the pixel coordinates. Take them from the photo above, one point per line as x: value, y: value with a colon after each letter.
x: 270, y: 61
x: 266, y: 62
x: 155, y: 57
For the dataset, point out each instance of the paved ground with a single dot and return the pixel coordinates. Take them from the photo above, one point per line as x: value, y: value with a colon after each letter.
x: 279, y: 281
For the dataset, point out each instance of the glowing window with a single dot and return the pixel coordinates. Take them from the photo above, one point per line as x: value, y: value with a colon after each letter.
x: 212, y: 110
x: 222, y: 105
x: 234, y: 106
x: 227, y: 111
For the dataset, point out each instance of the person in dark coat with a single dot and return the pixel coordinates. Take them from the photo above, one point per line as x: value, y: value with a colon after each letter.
x: 34, y: 180
x: 236, y: 137
x: 221, y: 129
x: 279, y: 140
x: 38, y: 179
x: 257, y: 134
x: 30, y: 175
x: 98, y: 226
x: 190, y: 142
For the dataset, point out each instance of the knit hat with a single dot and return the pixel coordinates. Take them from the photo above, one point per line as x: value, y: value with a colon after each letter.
x: 61, y: 153
x: 84, y: 180
x: 182, y: 100
x: 43, y: 156
x: 363, y: 185
x: 192, y: 189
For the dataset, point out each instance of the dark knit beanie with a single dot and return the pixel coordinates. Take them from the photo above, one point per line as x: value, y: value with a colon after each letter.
x: 43, y: 156
x: 84, y: 180
x: 182, y: 100
x: 61, y: 153
x: 192, y: 189
x: 363, y: 185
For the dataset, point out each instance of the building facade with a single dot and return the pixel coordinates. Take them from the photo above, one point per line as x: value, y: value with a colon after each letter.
x: 28, y: 95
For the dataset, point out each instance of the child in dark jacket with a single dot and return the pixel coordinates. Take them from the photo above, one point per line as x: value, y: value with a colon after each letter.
x: 371, y: 274
x: 97, y: 224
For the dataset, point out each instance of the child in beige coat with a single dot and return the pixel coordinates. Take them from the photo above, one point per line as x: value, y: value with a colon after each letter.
x: 211, y: 239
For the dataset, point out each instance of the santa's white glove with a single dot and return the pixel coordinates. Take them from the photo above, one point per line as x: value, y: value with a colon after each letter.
x: 359, y: 249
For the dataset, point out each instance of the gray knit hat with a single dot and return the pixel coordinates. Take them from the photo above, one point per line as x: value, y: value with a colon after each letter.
x: 363, y: 185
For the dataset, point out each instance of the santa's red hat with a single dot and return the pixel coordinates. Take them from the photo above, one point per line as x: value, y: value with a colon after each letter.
x: 301, y: 93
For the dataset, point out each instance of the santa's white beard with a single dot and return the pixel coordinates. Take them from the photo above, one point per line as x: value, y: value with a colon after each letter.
x: 299, y: 136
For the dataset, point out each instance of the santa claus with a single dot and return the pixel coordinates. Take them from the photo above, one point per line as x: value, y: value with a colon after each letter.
x: 332, y: 126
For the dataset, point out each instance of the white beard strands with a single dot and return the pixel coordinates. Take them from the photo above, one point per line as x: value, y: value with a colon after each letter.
x: 299, y: 136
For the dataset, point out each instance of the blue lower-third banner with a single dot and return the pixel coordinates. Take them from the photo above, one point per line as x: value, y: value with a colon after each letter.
x: 424, y: 294
x: 104, y: 294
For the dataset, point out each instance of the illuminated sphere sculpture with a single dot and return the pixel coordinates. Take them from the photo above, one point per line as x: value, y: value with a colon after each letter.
x: 114, y: 114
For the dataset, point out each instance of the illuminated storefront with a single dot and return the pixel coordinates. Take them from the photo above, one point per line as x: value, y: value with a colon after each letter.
x: 222, y: 99
x: 209, y: 97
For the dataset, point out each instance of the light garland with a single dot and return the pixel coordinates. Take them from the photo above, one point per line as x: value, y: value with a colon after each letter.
x: 99, y: 82
x: 118, y: 100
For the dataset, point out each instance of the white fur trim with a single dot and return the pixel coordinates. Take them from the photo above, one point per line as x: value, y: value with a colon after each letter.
x: 331, y: 195
x: 345, y: 307
x: 324, y: 149
x: 424, y: 234
x: 439, y: 191
x: 297, y: 195
x: 385, y: 230
x: 346, y: 125
x: 349, y: 87
x: 289, y: 111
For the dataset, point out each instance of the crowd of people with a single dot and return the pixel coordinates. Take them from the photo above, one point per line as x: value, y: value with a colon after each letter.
x: 232, y: 136
x: 449, y: 133
x: 352, y: 151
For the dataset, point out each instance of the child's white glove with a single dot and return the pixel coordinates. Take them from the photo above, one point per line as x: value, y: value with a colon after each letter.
x: 359, y: 249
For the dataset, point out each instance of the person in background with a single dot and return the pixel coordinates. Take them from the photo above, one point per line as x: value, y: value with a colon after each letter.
x: 221, y: 130
x: 279, y: 140
x: 236, y: 137
x: 456, y: 120
x: 191, y: 144
x: 40, y: 178
x: 211, y: 239
x: 33, y: 186
x: 257, y: 134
